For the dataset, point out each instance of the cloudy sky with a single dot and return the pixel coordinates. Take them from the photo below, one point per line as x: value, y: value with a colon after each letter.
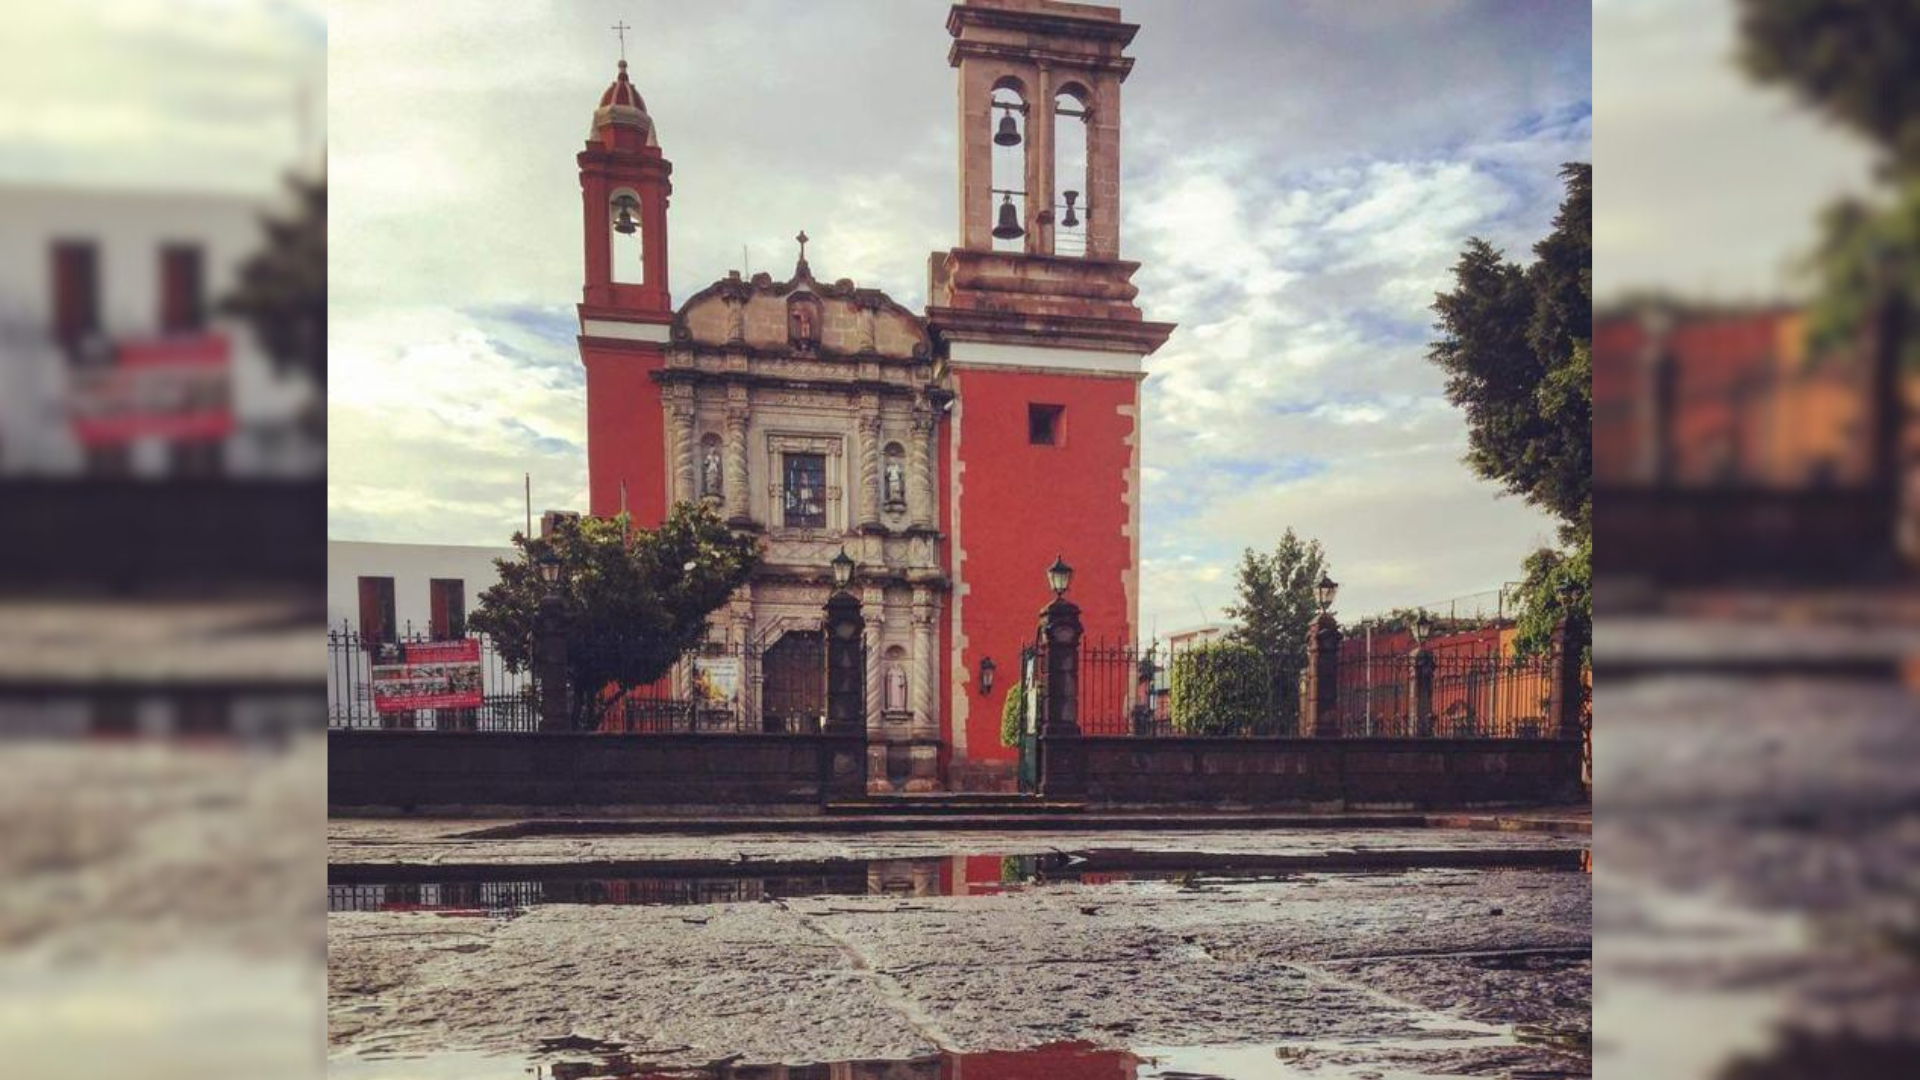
x: 179, y: 94
x: 1298, y: 178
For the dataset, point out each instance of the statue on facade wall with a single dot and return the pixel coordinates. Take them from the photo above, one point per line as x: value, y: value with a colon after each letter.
x: 710, y: 474
x: 803, y: 322
x: 896, y: 696
x: 896, y: 483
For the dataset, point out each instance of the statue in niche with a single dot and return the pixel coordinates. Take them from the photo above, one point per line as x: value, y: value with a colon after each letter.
x: 803, y: 322
x: 710, y: 475
x: 896, y: 696
x: 895, y: 486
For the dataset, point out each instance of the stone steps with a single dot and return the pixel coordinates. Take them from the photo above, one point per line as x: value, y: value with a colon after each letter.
x: 955, y: 804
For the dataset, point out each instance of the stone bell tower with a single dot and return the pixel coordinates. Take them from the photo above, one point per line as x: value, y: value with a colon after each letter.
x: 625, y: 308
x: 1043, y: 346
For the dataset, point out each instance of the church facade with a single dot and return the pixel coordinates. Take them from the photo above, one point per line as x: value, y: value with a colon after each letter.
x: 951, y: 453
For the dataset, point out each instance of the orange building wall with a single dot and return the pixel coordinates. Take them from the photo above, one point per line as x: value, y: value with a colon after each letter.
x: 1019, y: 505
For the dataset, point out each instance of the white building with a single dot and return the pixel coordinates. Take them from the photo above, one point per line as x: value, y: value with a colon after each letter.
x: 91, y: 277
x: 383, y: 590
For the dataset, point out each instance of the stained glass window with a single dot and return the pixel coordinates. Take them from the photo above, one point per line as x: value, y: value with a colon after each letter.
x: 806, y: 491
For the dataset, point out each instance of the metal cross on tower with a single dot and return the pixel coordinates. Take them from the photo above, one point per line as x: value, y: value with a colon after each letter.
x: 621, y: 29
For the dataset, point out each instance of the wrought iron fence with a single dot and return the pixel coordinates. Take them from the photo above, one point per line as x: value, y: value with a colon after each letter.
x: 1156, y: 692
x: 716, y: 689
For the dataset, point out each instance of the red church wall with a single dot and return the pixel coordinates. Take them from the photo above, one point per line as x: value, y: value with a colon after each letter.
x: 1021, y: 504
x: 626, y: 436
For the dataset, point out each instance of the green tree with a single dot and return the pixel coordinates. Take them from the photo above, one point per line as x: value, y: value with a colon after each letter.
x: 1275, y: 607
x: 636, y: 600
x: 1538, y: 605
x: 1852, y: 59
x: 1223, y: 688
x: 1516, y: 346
x: 282, y: 290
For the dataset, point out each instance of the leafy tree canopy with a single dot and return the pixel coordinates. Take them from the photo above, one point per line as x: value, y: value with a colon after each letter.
x: 635, y: 600
x: 282, y: 291
x: 1852, y: 59
x: 1276, y: 606
x: 1516, y: 346
x: 1538, y: 603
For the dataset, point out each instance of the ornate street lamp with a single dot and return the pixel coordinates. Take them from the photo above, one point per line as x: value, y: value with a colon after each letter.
x: 1568, y: 591
x: 1324, y: 593
x: 842, y: 570
x: 1422, y: 626
x: 548, y: 564
x: 1059, y: 576
x: 986, y: 676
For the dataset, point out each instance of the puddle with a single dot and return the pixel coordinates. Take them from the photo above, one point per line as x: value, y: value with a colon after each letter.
x: 490, y: 889
x: 1449, y: 1050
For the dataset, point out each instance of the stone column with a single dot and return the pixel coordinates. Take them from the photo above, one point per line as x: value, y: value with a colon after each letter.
x: 550, y: 662
x: 680, y: 427
x: 1323, y: 678
x: 1420, y: 692
x: 868, y: 507
x: 736, y: 488
x: 920, y: 489
x: 845, y: 750
x: 1566, y: 694
x: 1063, y: 772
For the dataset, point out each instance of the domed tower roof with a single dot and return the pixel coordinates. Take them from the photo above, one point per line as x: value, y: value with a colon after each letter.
x: 622, y: 107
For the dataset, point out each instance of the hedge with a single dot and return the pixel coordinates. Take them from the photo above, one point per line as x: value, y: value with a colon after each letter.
x: 1221, y: 688
x: 1012, y: 713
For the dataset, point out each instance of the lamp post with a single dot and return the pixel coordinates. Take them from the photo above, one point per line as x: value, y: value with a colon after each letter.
x: 1062, y: 759
x: 846, y: 686
x: 1420, y: 670
x: 1323, y: 664
x: 550, y: 646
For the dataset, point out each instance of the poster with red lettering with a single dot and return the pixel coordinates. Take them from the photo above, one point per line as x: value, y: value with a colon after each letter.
x: 427, y: 675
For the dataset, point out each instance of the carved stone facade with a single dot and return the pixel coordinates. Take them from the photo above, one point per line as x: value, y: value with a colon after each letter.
x: 803, y: 411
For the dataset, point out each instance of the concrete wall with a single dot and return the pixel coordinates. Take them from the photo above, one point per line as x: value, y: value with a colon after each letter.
x: 1385, y: 773
x: 130, y: 227
x: 397, y: 770
x: 411, y: 566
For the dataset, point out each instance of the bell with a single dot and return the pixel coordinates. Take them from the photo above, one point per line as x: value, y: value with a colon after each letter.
x: 624, y: 222
x: 1071, y: 220
x: 1009, y: 227
x: 1008, y: 135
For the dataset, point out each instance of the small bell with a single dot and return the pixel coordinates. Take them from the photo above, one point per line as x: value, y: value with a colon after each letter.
x: 1071, y: 220
x: 624, y: 223
x: 1009, y: 227
x: 1009, y: 134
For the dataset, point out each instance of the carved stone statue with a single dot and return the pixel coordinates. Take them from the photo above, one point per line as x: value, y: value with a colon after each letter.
x: 896, y: 483
x: 896, y: 696
x: 801, y: 326
x: 710, y: 473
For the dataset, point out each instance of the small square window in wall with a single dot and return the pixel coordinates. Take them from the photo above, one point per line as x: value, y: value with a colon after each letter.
x: 1044, y: 424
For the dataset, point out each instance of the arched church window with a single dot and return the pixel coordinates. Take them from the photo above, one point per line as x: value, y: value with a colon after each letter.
x: 627, y: 239
x: 711, y: 468
x: 1071, y: 118
x: 1008, y: 117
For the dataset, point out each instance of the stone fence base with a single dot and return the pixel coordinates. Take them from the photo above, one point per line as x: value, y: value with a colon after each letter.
x: 439, y: 771
x: 1331, y: 773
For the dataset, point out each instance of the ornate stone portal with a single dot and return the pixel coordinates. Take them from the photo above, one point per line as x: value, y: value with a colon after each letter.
x: 802, y: 411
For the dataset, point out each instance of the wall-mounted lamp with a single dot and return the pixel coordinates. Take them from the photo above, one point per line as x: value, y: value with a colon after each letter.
x: 986, y: 676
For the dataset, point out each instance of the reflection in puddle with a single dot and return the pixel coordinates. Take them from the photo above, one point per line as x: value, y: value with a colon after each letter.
x: 1477, y: 1049
x: 477, y: 889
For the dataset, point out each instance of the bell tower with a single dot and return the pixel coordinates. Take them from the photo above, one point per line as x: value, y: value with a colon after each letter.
x: 1033, y: 314
x: 625, y: 308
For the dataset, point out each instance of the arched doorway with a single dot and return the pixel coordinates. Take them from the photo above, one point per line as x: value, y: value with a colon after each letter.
x: 793, y: 695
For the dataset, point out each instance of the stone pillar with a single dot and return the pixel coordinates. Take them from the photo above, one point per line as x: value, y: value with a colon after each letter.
x: 924, y: 762
x: 844, y: 753
x: 1063, y: 762
x: 1420, y: 692
x: 550, y: 663
x: 680, y: 430
x: 920, y: 487
x: 869, y: 504
x: 1566, y: 693
x: 1323, y: 678
x: 736, y: 468
x: 1039, y: 171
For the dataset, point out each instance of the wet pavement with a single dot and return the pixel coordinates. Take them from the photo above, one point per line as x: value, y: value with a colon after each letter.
x: 1399, y: 954
x: 1760, y: 866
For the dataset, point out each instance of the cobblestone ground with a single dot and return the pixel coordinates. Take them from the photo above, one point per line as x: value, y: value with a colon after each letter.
x: 1758, y: 862
x: 1416, y: 971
